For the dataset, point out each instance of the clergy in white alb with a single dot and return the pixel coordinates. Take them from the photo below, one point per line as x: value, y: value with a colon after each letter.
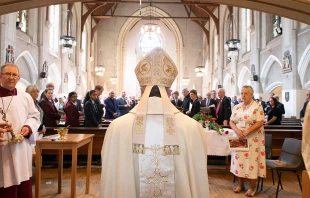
x: 18, y: 109
x: 154, y: 150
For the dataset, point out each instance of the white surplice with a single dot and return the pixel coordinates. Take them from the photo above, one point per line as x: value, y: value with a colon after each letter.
x: 130, y: 175
x: 16, y: 159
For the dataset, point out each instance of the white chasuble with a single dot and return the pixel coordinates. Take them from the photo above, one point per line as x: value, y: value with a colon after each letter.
x: 16, y: 159
x: 131, y: 175
x: 156, y: 170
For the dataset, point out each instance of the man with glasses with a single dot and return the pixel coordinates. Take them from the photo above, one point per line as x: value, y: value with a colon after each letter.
x: 19, y: 116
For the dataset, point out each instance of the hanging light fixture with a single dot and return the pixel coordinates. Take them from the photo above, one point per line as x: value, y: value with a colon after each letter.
x: 200, y: 70
x: 100, y: 68
x: 232, y: 45
x: 68, y: 41
x: 150, y: 28
x: 113, y: 79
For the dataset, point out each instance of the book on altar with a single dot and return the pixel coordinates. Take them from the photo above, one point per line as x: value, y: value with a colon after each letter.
x: 235, y: 144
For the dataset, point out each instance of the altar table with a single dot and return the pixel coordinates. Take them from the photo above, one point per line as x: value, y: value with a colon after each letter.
x: 73, y: 142
x: 217, y: 144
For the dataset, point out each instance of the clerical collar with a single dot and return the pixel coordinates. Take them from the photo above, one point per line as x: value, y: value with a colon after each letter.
x: 5, y: 92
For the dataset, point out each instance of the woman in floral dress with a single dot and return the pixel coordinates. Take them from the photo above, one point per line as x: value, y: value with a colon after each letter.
x: 247, y: 121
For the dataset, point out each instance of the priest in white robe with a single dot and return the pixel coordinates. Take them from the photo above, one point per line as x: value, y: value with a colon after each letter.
x: 154, y: 150
x: 22, y: 119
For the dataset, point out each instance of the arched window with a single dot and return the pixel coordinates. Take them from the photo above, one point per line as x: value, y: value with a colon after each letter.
x: 246, y: 30
x: 276, y: 25
x: 84, y: 49
x: 54, y: 29
x: 149, y: 42
x: 22, y: 20
x: 215, y: 48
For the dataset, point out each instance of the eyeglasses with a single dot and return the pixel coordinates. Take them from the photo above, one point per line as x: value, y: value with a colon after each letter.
x: 9, y: 74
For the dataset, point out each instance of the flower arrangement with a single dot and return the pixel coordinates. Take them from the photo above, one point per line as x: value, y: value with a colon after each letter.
x: 208, y: 121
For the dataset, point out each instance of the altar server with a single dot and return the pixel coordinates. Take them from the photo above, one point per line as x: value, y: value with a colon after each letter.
x: 18, y: 109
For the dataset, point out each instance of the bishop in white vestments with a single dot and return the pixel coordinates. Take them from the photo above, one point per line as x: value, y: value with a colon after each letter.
x: 154, y: 150
x: 20, y: 115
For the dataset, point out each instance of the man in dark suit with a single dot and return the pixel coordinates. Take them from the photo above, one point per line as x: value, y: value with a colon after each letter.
x: 99, y: 90
x: 133, y: 102
x: 235, y: 101
x: 123, y: 104
x: 223, y: 109
x: 261, y: 102
x: 111, y: 106
x: 194, y: 106
x: 280, y: 106
x: 186, y: 100
x: 303, y: 111
x: 176, y: 102
x: 209, y: 102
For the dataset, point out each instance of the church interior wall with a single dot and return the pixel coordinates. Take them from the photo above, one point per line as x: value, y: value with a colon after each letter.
x: 295, y: 38
x: 36, y: 43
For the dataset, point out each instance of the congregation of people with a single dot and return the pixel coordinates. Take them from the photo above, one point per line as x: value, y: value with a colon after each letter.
x: 246, y: 116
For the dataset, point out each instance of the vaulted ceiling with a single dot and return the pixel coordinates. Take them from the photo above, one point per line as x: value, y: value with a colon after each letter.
x: 294, y: 9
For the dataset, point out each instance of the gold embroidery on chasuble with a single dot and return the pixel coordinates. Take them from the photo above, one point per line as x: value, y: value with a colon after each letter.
x: 169, y: 125
x: 139, y: 124
x: 156, y: 173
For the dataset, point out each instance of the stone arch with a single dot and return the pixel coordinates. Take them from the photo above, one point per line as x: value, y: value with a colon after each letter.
x: 22, y: 84
x: 71, y: 81
x: 244, y: 77
x: 227, y: 85
x: 264, y: 73
x: 130, y: 23
x: 32, y: 66
x: 54, y: 76
x: 272, y: 86
x: 302, y: 67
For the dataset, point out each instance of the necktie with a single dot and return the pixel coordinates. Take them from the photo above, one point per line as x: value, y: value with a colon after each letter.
x: 207, y: 103
x: 95, y: 106
x: 218, y: 108
x: 176, y: 102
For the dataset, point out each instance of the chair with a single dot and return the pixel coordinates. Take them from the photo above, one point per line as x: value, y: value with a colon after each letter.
x: 268, y: 152
x: 291, y: 158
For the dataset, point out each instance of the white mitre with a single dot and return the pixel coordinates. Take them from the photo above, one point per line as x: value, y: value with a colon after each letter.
x: 156, y: 68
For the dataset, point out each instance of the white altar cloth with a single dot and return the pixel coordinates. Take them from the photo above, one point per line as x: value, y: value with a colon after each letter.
x: 217, y: 144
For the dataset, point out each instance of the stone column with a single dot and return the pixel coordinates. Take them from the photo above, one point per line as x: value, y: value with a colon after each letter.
x: 255, y: 53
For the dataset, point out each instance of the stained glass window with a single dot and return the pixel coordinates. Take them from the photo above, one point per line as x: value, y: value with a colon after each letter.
x: 84, y: 49
x: 22, y: 20
x: 149, y: 42
x: 277, y: 25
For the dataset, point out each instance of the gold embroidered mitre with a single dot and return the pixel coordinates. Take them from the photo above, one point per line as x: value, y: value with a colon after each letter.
x: 156, y: 68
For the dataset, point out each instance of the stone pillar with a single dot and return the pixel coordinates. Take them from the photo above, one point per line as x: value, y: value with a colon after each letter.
x: 255, y: 53
x: 233, y: 64
x: 291, y: 81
